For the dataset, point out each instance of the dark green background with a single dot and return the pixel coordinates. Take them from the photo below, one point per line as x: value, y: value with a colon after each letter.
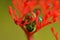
x: 10, y: 31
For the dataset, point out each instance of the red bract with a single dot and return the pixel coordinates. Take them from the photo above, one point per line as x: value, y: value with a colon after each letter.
x: 30, y: 11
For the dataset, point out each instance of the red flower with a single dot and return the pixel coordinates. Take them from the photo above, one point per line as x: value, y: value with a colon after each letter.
x: 30, y: 11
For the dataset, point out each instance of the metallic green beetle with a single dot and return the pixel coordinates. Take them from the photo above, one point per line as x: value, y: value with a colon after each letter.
x: 30, y: 27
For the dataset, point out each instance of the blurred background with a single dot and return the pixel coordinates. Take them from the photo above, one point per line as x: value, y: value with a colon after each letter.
x: 10, y: 31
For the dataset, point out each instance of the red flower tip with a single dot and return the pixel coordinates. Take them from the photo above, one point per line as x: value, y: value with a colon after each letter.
x: 10, y: 10
x: 37, y: 12
x: 54, y: 33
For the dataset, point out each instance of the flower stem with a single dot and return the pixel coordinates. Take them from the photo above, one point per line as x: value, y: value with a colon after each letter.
x: 29, y: 37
